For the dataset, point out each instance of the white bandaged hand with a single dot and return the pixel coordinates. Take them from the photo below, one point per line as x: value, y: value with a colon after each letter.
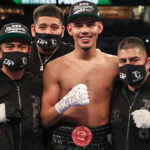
x: 77, y: 96
x: 141, y: 118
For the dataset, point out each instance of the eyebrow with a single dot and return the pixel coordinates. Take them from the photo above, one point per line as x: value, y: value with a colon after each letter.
x: 42, y: 24
x: 46, y: 24
x: 54, y: 24
x: 131, y: 58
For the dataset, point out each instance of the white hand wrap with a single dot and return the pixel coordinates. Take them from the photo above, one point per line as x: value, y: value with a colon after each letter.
x: 2, y: 113
x: 141, y: 118
x: 77, y: 96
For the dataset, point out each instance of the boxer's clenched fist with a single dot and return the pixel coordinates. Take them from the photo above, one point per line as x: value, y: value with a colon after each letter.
x: 77, y: 96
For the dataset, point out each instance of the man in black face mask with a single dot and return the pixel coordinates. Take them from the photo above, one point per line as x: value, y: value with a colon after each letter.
x: 20, y: 93
x: 48, y: 31
x: 130, y: 105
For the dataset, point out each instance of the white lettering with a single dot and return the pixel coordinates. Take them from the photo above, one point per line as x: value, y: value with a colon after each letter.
x: 54, y: 42
x: 122, y: 76
x: 8, y: 62
x: 137, y: 74
x: 146, y: 103
x: 41, y: 41
x: 24, y: 60
x: 15, y: 28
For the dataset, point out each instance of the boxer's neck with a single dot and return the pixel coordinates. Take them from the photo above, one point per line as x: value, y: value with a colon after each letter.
x: 86, y: 54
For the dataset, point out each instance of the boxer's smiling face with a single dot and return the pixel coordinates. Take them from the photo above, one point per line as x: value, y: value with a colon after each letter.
x: 85, y: 31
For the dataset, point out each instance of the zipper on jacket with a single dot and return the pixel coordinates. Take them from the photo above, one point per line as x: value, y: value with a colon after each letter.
x: 127, y: 135
x: 129, y: 117
x: 20, y: 125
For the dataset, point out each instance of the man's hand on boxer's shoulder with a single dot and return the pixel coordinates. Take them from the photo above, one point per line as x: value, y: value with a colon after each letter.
x: 76, y: 97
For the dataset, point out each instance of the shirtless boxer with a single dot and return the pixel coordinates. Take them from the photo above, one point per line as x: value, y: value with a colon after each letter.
x: 77, y: 86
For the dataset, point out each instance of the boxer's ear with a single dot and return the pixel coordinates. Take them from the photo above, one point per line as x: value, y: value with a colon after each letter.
x: 69, y: 29
x: 63, y: 30
x: 100, y: 26
x: 33, y: 30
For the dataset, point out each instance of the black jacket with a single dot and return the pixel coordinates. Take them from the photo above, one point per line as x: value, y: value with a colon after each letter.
x: 25, y: 94
x: 6, y: 137
x: 125, y: 134
x: 35, y: 64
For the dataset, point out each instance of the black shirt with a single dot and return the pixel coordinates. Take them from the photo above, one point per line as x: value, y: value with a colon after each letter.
x: 125, y: 134
x: 24, y: 94
x: 35, y: 62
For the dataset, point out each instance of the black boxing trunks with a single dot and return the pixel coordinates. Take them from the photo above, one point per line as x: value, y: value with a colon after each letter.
x: 70, y: 137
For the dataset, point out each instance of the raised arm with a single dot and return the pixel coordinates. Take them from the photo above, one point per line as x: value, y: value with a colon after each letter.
x: 53, y: 107
x: 50, y: 96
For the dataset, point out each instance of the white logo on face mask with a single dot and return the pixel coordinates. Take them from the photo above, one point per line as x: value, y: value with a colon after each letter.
x: 41, y: 41
x: 24, y: 60
x: 54, y: 42
x: 8, y: 62
x: 136, y: 74
x: 122, y: 76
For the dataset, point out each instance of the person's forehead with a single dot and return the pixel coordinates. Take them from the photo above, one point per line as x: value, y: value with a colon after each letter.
x: 48, y: 20
x: 130, y: 53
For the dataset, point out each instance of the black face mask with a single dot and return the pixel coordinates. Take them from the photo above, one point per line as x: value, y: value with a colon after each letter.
x: 48, y: 42
x: 15, y: 61
x: 132, y: 74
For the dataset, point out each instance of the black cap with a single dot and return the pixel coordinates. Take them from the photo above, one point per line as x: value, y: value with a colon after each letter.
x: 15, y: 30
x: 83, y: 8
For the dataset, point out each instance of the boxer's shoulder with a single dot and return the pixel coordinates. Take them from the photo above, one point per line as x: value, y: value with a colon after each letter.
x: 57, y: 63
x: 108, y: 58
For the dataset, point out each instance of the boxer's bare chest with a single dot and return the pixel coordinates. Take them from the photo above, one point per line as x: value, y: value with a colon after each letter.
x: 97, y: 76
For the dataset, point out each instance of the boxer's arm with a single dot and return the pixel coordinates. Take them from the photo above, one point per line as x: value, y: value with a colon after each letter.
x: 50, y: 96
x: 52, y: 107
